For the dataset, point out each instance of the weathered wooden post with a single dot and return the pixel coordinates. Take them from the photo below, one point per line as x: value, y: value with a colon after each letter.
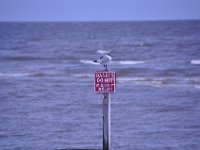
x: 106, y: 122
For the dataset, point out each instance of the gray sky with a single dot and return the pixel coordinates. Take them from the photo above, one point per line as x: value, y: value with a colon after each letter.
x: 98, y: 10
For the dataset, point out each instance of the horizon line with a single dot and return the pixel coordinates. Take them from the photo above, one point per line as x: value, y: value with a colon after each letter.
x: 136, y: 20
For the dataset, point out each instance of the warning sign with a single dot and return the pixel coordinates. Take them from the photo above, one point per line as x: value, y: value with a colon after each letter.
x: 105, y: 82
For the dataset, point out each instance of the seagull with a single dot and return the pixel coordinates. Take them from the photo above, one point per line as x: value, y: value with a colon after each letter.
x: 104, y: 60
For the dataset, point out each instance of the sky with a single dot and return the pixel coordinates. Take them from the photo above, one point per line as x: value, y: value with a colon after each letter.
x: 98, y: 10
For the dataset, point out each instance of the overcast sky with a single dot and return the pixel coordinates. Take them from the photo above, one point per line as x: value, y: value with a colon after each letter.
x: 98, y: 10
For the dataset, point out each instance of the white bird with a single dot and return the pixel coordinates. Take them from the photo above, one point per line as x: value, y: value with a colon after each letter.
x: 104, y: 60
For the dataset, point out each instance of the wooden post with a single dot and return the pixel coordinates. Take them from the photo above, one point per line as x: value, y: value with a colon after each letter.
x: 106, y: 122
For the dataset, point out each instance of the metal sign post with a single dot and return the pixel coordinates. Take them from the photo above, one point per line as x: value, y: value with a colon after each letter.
x: 105, y: 83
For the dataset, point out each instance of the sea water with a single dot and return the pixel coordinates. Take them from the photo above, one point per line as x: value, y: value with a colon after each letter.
x: 47, y: 98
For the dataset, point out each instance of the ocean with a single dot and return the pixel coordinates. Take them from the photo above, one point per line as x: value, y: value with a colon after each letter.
x: 47, y: 98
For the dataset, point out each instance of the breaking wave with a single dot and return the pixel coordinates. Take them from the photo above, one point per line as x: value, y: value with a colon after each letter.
x: 22, y: 74
x: 160, y: 81
x: 125, y: 62
x: 102, y: 51
x: 83, y: 75
x: 128, y: 62
x: 195, y: 62
x: 22, y: 58
x: 197, y: 86
x: 140, y: 81
x: 88, y: 62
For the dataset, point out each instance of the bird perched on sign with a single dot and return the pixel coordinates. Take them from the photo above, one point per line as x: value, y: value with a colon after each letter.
x: 104, y: 60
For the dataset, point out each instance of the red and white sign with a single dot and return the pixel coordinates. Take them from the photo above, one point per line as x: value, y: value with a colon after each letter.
x: 105, y: 82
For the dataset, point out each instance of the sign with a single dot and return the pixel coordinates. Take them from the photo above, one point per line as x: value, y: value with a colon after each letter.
x: 105, y: 82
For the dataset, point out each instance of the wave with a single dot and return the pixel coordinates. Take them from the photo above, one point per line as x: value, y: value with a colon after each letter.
x: 148, y: 81
x: 83, y: 75
x: 140, y: 81
x: 195, y: 62
x: 138, y: 43
x: 128, y: 62
x: 160, y: 81
x: 22, y: 74
x: 21, y: 58
x: 88, y: 62
x: 197, y: 86
x: 102, y: 51
x: 125, y: 62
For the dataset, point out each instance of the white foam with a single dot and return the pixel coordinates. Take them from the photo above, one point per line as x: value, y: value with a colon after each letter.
x: 88, y: 62
x: 140, y: 81
x: 127, y: 79
x: 16, y: 74
x: 102, y: 51
x: 195, y: 62
x: 139, y: 43
x: 125, y: 62
x: 28, y: 74
x: 82, y: 75
x: 128, y: 62
x: 197, y: 86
